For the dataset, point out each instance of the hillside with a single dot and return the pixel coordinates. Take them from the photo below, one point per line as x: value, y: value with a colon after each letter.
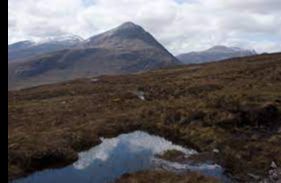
x: 233, y: 106
x: 215, y: 53
x: 24, y: 50
x: 125, y: 49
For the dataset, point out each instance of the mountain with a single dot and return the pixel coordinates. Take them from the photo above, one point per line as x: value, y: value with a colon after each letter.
x: 20, y: 45
x: 125, y: 49
x: 127, y: 34
x: 24, y: 50
x: 215, y: 53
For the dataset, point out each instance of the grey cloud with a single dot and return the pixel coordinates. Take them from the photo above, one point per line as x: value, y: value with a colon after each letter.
x: 256, y: 6
x: 181, y: 27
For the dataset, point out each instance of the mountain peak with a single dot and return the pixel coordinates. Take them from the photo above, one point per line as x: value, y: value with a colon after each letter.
x: 127, y: 28
x: 215, y: 53
x: 218, y: 48
x: 128, y: 25
x: 222, y: 48
x: 127, y: 36
x: 127, y: 48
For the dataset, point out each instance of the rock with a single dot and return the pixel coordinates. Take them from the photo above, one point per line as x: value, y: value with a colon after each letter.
x: 216, y: 150
x: 273, y: 165
x: 275, y: 175
x: 272, y: 174
x: 94, y: 80
x: 140, y: 94
x: 256, y: 177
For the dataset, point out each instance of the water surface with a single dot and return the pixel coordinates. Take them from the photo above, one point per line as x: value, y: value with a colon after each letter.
x: 115, y: 156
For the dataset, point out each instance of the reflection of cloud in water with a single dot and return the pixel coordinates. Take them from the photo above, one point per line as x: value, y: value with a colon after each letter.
x: 113, y: 157
x: 206, y: 169
x: 134, y: 142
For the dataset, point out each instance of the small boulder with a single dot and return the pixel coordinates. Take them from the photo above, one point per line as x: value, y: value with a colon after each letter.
x: 93, y: 80
x: 216, y: 151
x: 273, y: 165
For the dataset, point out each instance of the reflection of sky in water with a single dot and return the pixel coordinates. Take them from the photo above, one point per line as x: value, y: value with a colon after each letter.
x: 214, y: 170
x: 135, y: 143
x: 110, y: 159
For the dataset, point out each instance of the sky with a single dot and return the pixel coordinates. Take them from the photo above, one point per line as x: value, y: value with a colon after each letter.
x: 180, y: 25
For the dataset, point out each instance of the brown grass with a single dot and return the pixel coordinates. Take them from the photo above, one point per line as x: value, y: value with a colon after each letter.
x: 233, y: 106
x: 165, y: 177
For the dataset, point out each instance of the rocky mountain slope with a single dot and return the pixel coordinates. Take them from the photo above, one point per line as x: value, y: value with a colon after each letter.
x: 125, y: 49
x: 215, y: 53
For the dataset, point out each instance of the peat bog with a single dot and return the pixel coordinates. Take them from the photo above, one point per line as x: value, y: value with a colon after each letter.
x: 231, y: 107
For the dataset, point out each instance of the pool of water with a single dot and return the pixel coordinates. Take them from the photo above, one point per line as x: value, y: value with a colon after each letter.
x: 115, y: 156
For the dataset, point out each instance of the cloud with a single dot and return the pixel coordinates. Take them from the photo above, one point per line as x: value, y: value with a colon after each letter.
x: 180, y: 25
x: 253, y: 6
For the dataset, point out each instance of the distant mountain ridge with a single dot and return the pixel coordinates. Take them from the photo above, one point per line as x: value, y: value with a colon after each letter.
x: 24, y: 50
x: 125, y: 49
x: 215, y: 53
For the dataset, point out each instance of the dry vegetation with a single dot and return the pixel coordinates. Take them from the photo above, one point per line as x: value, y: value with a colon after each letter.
x: 233, y: 106
x: 165, y: 177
